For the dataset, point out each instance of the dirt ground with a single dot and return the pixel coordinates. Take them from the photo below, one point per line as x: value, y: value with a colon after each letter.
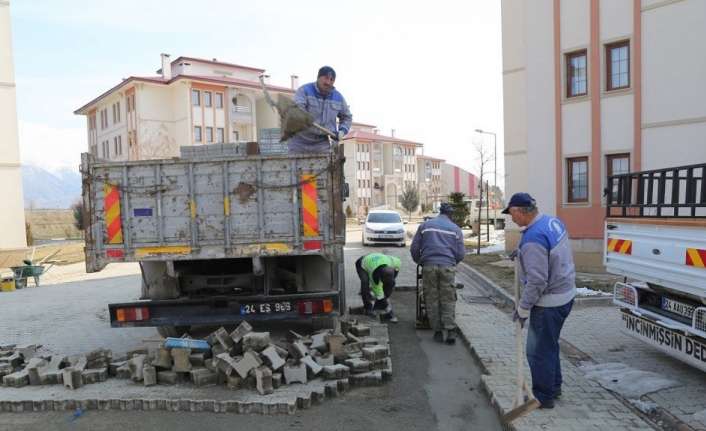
x: 68, y: 252
x: 505, y: 276
x: 50, y: 224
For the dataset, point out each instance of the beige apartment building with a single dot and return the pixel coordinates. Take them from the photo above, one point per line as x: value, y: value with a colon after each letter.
x: 190, y: 102
x: 429, y: 180
x: 598, y: 87
x: 12, y: 218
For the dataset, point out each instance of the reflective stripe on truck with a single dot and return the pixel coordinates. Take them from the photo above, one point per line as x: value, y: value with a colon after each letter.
x: 696, y: 257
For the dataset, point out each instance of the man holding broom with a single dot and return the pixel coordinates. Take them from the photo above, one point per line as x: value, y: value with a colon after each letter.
x: 547, y: 273
x: 326, y: 105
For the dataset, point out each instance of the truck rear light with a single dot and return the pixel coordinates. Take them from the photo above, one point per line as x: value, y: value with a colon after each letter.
x: 316, y: 307
x: 624, y: 294
x: 133, y: 314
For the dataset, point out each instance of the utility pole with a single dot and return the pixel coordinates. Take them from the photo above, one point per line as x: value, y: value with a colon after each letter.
x: 487, y: 213
x: 480, y: 206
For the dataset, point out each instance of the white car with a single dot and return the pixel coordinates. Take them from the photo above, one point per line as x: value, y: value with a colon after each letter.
x: 384, y: 227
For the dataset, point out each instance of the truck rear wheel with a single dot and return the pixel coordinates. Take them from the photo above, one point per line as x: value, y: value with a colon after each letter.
x: 172, y: 331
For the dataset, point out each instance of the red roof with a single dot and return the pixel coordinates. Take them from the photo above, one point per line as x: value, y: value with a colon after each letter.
x: 160, y: 80
x: 434, y: 159
x: 221, y: 63
x: 367, y: 136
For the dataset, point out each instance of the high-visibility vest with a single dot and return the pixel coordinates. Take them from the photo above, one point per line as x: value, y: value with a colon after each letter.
x: 372, y: 262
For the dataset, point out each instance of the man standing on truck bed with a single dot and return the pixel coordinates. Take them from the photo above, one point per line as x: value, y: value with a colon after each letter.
x: 326, y: 105
x: 438, y: 247
x: 377, y: 273
x: 548, y: 276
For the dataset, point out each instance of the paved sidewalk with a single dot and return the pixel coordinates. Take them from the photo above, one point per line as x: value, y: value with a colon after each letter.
x: 584, y: 404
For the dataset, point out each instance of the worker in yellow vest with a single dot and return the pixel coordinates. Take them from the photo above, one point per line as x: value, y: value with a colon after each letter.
x: 377, y: 273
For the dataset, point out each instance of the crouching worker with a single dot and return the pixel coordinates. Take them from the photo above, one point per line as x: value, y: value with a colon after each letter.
x: 377, y: 273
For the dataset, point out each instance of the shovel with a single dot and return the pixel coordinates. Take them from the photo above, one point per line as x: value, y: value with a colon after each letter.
x: 520, y: 407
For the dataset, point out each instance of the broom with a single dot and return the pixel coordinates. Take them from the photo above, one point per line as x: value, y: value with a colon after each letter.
x: 520, y: 407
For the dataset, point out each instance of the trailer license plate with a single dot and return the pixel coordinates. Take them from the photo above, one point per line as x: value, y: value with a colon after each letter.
x: 266, y: 308
x: 677, y: 307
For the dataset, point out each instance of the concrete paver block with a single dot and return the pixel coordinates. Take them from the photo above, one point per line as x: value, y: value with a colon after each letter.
x: 374, y: 353
x: 34, y: 367
x: 295, y: 373
x: 312, y: 365
x: 72, y: 378
x: 358, y: 365
x: 318, y: 341
x: 256, y: 341
x: 217, y: 349
x: 249, y: 361
x: 203, y: 377
x: 335, y: 344
x: 17, y: 379
x: 123, y: 371
x: 325, y: 360
x: 27, y: 351
x: 162, y: 359
x: 351, y: 349
x: 360, y: 330
x: 224, y: 338
x: 336, y: 372
x: 167, y: 377
x: 297, y: 350
x: 149, y: 374
x: 13, y: 360
x: 51, y: 374
x: 6, y: 369
x: 276, y: 380
x: 239, y: 332
x: 137, y: 364
x: 234, y: 382
x: 181, y: 360
x: 95, y: 375
x: 369, y: 341
x: 371, y: 378
x: 272, y: 358
x: 263, y: 378
x: 197, y: 359
x: 225, y: 363
x: 113, y: 367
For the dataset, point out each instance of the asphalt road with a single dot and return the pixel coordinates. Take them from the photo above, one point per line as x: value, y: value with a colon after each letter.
x: 435, y: 387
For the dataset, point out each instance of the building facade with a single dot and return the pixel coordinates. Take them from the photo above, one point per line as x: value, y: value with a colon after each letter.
x: 378, y: 168
x: 191, y: 102
x: 457, y: 180
x: 598, y: 87
x: 12, y: 218
x: 429, y: 181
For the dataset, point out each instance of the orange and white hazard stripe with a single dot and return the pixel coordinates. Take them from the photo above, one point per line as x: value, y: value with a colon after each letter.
x: 111, y: 206
x: 696, y: 257
x: 310, y: 212
x: 621, y: 246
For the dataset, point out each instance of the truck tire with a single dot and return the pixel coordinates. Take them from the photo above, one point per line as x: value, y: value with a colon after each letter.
x: 156, y: 283
x: 172, y: 331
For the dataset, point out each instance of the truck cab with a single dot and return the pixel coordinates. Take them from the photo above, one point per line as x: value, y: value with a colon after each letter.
x: 655, y: 236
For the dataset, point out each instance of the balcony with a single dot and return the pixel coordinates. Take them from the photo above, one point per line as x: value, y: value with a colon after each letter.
x: 241, y: 113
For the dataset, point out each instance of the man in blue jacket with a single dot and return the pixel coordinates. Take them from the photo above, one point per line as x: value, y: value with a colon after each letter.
x: 548, y: 276
x: 326, y: 105
x: 438, y: 247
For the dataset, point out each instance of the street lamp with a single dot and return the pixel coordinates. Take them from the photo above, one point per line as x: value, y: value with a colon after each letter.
x: 495, y: 155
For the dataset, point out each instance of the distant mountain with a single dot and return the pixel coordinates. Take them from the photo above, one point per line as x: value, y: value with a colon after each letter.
x: 45, y: 189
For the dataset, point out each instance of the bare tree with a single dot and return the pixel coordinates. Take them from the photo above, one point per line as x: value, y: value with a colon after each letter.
x: 484, y: 156
x: 409, y: 200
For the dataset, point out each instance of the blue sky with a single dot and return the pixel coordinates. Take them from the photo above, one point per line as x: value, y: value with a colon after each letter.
x: 430, y: 70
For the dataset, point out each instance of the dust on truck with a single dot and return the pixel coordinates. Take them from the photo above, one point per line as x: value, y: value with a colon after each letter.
x: 655, y: 236
x: 220, y: 239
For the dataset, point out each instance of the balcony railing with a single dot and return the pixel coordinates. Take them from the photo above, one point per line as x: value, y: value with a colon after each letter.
x: 240, y: 109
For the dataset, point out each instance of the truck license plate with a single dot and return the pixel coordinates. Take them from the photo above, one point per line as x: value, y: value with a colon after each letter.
x: 677, y: 307
x: 266, y: 308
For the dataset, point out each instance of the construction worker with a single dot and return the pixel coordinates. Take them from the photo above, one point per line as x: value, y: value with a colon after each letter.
x: 325, y: 104
x: 377, y: 273
x: 438, y: 247
x: 548, y: 275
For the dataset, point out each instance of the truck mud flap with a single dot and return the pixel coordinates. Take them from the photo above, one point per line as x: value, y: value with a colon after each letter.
x: 676, y: 343
x: 224, y: 310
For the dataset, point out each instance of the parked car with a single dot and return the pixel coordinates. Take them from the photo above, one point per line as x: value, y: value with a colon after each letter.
x: 384, y: 227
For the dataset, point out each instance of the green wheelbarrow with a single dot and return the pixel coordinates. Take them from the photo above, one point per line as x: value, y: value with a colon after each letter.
x: 26, y: 271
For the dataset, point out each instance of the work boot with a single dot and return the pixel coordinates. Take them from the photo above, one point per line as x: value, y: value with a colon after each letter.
x: 438, y: 337
x: 449, y: 337
x: 558, y: 394
x: 549, y: 404
x: 389, y: 317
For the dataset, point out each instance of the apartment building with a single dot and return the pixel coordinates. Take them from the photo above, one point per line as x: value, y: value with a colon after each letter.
x: 457, y: 180
x: 598, y: 87
x: 12, y: 218
x: 378, y: 168
x: 429, y: 180
x: 191, y: 101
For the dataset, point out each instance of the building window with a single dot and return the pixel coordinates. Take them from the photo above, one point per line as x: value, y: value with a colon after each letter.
x: 106, y: 149
x: 209, y: 135
x: 130, y: 103
x: 578, y: 179
x: 219, y: 100
x: 195, y: 97
x: 118, y: 145
x: 617, y: 164
x: 207, y: 99
x: 618, y: 65
x: 576, y: 74
x: 117, y: 112
x: 197, y: 133
x: 220, y: 135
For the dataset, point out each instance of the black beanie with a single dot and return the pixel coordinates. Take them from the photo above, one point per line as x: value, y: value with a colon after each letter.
x: 325, y: 71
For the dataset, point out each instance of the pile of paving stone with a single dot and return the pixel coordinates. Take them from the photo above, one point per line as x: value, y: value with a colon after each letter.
x: 241, y: 359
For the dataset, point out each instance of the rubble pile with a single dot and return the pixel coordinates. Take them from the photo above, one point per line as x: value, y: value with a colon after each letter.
x: 242, y: 359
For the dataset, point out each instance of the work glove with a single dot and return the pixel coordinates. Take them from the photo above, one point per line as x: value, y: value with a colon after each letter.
x: 520, y: 314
